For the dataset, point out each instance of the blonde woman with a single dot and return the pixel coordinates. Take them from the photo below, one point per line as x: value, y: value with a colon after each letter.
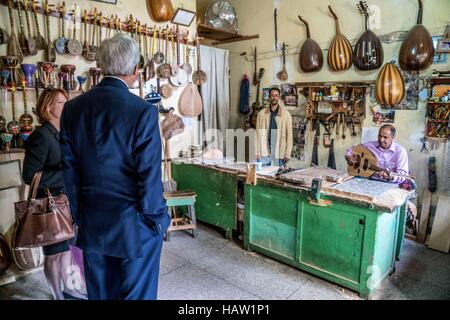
x: 43, y: 154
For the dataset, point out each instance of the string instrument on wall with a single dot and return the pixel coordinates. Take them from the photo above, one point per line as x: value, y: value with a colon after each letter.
x: 40, y: 41
x: 368, y: 53
x: 28, y: 45
x: 50, y: 53
x: 256, y: 106
x: 390, y: 86
x: 366, y: 164
x: 311, y: 57
x: 283, y: 75
x: 13, y: 46
x: 340, y: 55
x: 417, y: 50
x: 179, y: 75
x: 160, y: 10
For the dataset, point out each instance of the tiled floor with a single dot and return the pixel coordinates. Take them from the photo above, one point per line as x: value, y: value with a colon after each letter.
x: 211, y: 267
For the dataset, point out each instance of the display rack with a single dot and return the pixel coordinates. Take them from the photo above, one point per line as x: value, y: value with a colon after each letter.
x: 124, y: 26
x: 438, y: 110
x: 340, y: 103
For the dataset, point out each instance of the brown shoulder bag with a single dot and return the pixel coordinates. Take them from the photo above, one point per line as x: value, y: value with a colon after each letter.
x: 41, y: 222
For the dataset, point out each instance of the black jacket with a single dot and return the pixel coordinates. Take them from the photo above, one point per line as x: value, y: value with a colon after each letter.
x: 43, y: 153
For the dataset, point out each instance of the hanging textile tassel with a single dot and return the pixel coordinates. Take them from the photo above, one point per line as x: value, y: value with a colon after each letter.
x: 244, y: 100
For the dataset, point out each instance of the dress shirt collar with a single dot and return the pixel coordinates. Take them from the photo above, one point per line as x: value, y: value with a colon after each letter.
x: 114, y: 77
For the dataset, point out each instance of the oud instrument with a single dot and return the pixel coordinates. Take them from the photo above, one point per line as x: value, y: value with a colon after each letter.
x: 417, y: 50
x: 311, y: 57
x: 368, y: 53
x: 366, y: 164
x: 160, y: 10
x: 340, y: 55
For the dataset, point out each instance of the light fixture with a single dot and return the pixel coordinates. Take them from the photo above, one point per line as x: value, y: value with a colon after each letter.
x: 183, y: 17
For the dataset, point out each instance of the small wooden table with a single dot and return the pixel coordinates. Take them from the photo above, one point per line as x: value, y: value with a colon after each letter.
x: 186, y: 222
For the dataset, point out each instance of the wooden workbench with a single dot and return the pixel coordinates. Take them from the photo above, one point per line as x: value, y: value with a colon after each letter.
x: 348, y: 238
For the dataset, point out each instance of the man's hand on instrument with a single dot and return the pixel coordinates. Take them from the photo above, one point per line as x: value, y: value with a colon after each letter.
x: 385, y: 174
x: 350, y: 160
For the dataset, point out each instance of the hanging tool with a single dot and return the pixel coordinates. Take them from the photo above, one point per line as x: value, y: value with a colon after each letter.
x: 315, y: 154
x: 331, y: 157
x: 255, y: 73
x: 424, y: 145
x: 275, y: 17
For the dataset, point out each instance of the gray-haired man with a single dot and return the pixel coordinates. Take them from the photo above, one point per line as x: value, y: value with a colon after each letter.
x: 111, y: 150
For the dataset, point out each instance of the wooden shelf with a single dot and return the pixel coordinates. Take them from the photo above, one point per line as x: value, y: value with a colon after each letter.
x: 443, y: 103
x: 334, y: 101
x: 221, y: 36
x: 341, y: 84
x: 440, y: 80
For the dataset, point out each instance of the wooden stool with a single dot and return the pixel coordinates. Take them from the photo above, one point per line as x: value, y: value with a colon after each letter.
x: 186, y: 222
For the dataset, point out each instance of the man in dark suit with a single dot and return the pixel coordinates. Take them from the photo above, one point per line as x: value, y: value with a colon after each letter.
x: 111, y: 152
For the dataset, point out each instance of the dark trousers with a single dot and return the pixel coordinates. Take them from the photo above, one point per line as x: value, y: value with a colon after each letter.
x: 112, y: 278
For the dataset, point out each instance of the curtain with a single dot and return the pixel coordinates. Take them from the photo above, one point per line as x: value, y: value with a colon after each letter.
x: 216, y: 90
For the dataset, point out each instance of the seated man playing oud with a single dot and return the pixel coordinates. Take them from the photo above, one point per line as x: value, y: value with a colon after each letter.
x: 391, y: 156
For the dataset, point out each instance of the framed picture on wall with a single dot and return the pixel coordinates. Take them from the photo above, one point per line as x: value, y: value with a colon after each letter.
x: 289, y: 94
x: 442, y: 47
x: 265, y: 97
x: 107, y: 1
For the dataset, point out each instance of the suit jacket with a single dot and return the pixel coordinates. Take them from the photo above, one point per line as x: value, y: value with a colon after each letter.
x: 42, y: 153
x: 111, y: 157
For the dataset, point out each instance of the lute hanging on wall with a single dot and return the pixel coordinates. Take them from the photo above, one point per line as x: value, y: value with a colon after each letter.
x: 311, y: 57
x: 283, y: 75
x: 340, y: 54
x: 160, y: 10
x: 390, y: 86
x: 417, y: 50
x: 368, y: 53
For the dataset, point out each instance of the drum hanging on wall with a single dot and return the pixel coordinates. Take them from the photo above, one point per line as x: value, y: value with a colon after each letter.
x: 160, y: 10
x: 417, y: 50
x: 390, y: 86
x: 368, y: 53
x: 340, y: 55
x: 311, y: 57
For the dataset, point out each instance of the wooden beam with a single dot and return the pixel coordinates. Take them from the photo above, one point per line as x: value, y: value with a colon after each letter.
x: 440, y: 234
x: 424, y: 215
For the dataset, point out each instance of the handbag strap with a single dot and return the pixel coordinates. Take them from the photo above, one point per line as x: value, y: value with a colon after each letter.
x: 34, y: 185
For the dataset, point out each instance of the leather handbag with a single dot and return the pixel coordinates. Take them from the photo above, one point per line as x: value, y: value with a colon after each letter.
x: 41, y: 222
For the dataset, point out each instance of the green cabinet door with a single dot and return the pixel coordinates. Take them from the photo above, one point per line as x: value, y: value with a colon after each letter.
x: 331, y: 241
x: 273, y: 219
x: 216, y: 193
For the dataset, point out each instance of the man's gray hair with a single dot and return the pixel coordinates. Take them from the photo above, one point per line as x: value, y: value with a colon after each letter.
x: 119, y: 55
